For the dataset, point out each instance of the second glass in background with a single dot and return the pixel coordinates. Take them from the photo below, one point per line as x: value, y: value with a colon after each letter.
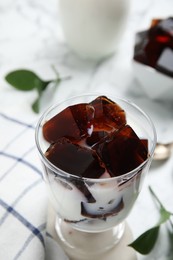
x: 94, y: 28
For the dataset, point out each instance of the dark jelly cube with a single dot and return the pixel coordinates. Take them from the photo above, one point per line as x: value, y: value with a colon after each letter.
x: 160, y: 37
x: 80, y: 185
x: 73, y: 122
x: 145, y: 143
x: 108, y: 115
x: 95, y: 137
x: 123, y: 152
x: 162, y: 33
x: 74, y: 159
x: 153, y: 50
x: 162, y: 27
x: 151, y: 44
x: 141, y: 40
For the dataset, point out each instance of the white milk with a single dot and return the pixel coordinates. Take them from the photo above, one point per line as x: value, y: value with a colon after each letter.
x: 93, y: 28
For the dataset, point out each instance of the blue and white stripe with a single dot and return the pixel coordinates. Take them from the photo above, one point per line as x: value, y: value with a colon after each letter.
x: 23, y: 198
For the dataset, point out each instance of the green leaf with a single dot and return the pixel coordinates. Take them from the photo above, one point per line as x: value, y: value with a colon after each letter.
x: 36, y: 105
x: 164, y: 215
x: 27, y: 80
x: 41, y: 87
x: 146, y: 242
x: 24, y: 80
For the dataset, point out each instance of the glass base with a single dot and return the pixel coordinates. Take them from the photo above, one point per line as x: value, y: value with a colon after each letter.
x: 85, y: 245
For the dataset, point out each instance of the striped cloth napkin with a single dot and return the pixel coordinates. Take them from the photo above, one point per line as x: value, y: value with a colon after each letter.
x: 23, y: 196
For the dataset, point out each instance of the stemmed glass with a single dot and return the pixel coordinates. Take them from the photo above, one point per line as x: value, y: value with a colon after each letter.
x: 90, y: 213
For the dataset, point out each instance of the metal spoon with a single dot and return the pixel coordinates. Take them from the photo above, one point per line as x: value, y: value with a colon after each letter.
x: 163, y: 151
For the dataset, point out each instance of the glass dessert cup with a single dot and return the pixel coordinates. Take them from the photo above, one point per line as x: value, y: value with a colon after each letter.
x: 91, y: 211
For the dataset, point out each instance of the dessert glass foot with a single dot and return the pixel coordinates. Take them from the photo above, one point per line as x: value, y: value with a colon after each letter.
x: 85, y: 243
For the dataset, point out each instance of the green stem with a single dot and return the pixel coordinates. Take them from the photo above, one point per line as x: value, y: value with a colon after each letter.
x: 157, y: 199
x: 58, y: 78
x: 56, y: 72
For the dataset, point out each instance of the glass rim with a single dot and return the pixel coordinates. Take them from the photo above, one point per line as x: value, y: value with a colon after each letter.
x: 69, y: 175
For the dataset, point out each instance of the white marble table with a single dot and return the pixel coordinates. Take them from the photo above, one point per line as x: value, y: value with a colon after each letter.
x: 31, y: 37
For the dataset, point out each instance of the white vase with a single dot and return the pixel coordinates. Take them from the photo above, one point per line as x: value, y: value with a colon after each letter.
x: 93, y: 28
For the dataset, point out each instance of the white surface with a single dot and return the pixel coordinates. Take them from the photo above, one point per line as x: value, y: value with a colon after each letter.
x: 31, y: 37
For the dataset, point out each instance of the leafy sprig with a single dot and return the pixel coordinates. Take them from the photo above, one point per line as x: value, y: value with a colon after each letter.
x: 27, y: 80
x: 146, y: 241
